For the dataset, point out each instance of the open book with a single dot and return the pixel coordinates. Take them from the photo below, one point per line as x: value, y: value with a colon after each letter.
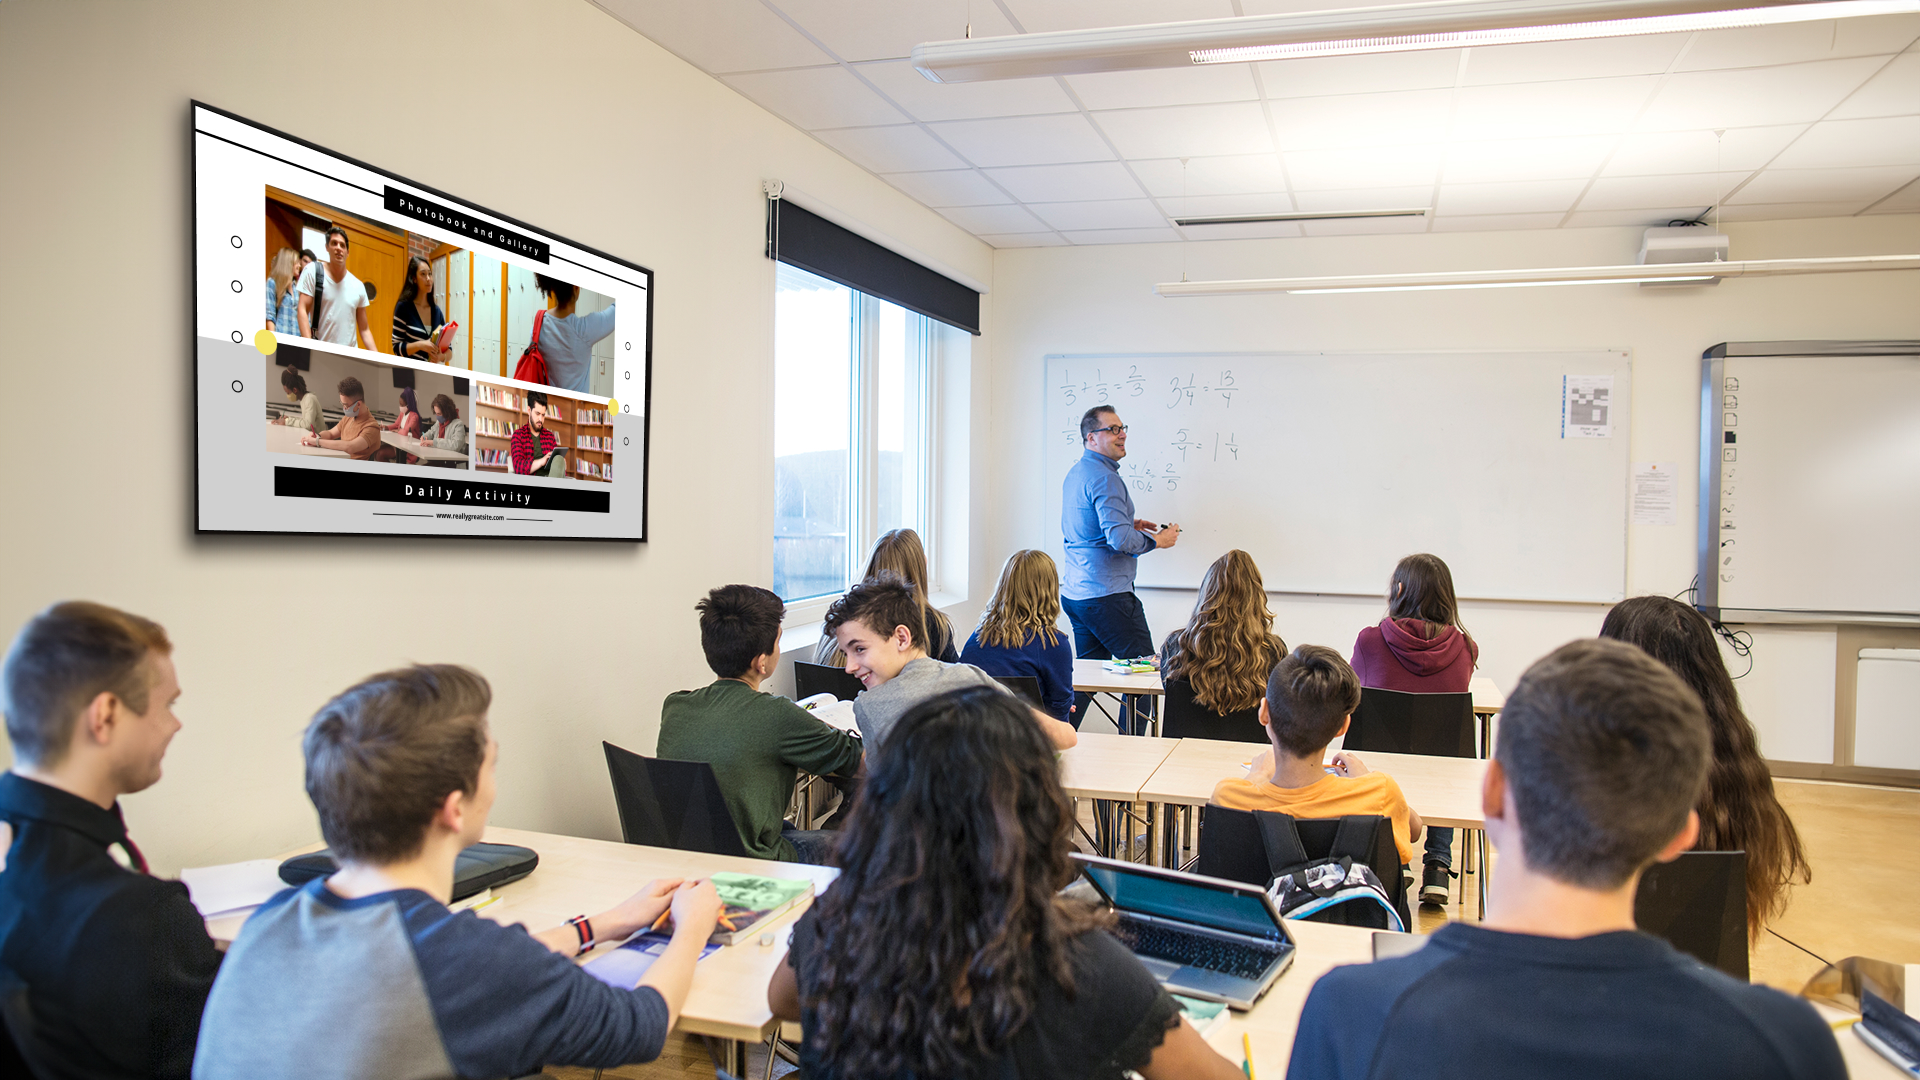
x: 749, y: 901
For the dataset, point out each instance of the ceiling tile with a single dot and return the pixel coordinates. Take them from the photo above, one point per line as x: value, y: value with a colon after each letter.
x: 1369, y: 73
x: 1536, y: 196
x: 1387, y: 198
x: 1893, y: 92
x: 1188, y: 131
x: 1364, y: 166
x: 929, y: 100
x: 1124, y: 236
x: 1064, y: 183
x: 1552, y: 61
x: 1267, y: 230
x: 993, y: 219
x: 719, y: 36
x: 1596, y: 219
x: 1798, y: 42
x: 1531, y: 110
x: 1790, y: 211
x: 1230, y: 175
x: 1891, y: 140
x: 814, y: 98
x: 1795, y: 93
x: 1043, y: 16
x: 952, y: 187
x: 1025, y: 140
x: 1409, y: 116
x: 1113, y: 214
x: 1737, y: 150
x: 1904, y: 201
x: 1698, y: 190
x: 902, y: 148
x: 1201, y: 84
x: 1025, y: 240
x: 1222, y: 205
x: 1824, y: 185
x: 1496, y: 222
x: 1527, y: 159
x: 887, y: 29
x: 1365, y: 226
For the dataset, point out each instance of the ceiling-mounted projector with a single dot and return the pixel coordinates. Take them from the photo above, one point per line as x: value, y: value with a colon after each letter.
x: 1682, y: 244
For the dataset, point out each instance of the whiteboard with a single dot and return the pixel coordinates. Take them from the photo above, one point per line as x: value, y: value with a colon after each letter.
x: 1814, y: 504
x: 1329, y: 467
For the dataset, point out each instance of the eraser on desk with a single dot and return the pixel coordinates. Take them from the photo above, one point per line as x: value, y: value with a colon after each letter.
x: 766, y: 939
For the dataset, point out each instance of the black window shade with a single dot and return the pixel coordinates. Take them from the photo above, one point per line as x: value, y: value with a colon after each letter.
x: 812, y: 243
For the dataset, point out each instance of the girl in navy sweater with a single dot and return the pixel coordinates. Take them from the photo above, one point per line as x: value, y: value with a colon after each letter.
x: 1017, y: 635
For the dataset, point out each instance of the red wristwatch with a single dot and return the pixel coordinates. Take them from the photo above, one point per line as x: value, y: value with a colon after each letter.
x: 585, y: 929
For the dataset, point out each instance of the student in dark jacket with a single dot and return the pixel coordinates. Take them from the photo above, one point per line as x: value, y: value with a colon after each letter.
x: 1419, y: 648
x: 117, y: 962
x: 1601, y: 758
x: 1017, y: 635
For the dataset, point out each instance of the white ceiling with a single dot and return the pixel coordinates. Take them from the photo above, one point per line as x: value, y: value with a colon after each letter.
x: 1809, y: 120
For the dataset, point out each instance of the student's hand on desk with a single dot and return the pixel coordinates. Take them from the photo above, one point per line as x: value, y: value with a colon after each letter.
x: 639, y: 911
x: 1347, y: 763
x: 696, y: 908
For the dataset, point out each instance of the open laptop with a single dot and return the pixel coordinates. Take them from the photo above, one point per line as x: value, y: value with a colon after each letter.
x: 1200, y: 936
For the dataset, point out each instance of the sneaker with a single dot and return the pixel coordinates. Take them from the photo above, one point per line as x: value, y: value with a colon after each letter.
x: 1433, y: 886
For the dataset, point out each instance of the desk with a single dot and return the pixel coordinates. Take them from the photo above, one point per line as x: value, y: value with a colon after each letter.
x: 1487, y: 700
x: 422, y: 450
x: 1092, y: 677
x: 729, y: 995
x: 1112, y: 768
x: 1273, y: 1019
x: 286, y: 440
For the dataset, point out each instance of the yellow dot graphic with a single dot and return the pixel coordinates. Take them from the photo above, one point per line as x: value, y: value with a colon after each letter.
x: 265, y: 342
x: 613, y: 407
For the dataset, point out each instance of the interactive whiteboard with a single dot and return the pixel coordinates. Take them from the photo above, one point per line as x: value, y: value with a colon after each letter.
x: 1328, y: 467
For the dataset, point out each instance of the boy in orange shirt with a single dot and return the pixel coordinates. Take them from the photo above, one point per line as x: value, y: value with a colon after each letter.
x: 1311, y: 695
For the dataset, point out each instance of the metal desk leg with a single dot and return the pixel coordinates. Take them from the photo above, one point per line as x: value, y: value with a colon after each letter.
x: 729, y: 1055
x: 1481, y: 840
x: 1155, y: 830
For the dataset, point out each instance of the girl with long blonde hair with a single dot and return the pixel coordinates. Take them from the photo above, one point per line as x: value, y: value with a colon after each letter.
x: 1228, y: 647
x: 1018, y: 634
x: 899, y: 551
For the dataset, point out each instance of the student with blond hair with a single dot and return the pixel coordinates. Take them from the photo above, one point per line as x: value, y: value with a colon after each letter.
x: 1018, y: 636
x: 900, y: 552
x: 1228, y: 647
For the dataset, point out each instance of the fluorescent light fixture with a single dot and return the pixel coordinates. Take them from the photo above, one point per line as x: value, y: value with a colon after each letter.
x: 1394, y: 28
x: 1567, y: 275
x: 1301, y: 215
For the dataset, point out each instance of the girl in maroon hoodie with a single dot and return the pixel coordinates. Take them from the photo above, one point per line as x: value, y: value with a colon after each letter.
x: 1419, y: 648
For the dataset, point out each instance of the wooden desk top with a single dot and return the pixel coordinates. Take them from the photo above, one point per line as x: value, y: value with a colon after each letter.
x: 1487, y: 696
x: 1089, y: 676
x: 1111, y: 766
x: 576, y: 875
x: 282, y: 439
x: 423, y: 450
x: 1443, y: 791
x: 1272, y: 1021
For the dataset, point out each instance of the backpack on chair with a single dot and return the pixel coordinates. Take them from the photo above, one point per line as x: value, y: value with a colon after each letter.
x: 533, y: 363
x: 1340, y: 888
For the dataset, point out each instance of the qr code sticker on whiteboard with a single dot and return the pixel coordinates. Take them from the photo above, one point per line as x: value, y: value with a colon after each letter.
x: 1586, y: 407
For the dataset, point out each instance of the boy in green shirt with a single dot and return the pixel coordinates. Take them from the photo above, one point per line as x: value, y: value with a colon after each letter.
x: 754, y: 741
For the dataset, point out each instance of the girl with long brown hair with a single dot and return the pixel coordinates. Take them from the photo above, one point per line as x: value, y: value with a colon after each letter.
x: 899, y: 551
x: 1739, y: 811
x: 945, y: 949
x: 1228, y: 647
x: 1018, y: 634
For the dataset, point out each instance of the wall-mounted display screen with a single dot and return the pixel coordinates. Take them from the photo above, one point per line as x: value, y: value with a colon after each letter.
x: 421, y: 366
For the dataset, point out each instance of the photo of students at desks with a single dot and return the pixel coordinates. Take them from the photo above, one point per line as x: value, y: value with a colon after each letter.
x: 531, y: 433
x: 347, y: 408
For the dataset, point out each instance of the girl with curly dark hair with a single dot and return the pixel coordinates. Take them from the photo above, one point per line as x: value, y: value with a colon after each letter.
x: 944, y: 948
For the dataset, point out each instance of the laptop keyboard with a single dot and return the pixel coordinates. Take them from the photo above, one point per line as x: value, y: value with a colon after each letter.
x: 1198, y: 950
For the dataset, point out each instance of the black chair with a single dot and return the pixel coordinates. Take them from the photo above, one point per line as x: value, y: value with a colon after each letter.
x: 1393, y: 722
x: 674, y: 804
x: 21, y: 1052
x: 811, y: 679
x: 1025, y: 687
x: 1698, y: 904
x: 1182, y: 717
x: 1231, y: 848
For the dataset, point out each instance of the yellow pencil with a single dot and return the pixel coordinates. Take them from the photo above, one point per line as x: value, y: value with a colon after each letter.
x: 1246, y: 1051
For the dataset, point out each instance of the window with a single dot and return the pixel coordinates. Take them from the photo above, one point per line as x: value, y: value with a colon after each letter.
x: 850, y: 430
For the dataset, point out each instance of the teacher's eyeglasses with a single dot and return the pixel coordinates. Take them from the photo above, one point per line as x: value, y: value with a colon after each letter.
x: 1111, y: 429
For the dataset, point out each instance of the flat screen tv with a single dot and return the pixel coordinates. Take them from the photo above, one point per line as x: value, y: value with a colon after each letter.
x: 365, y: 356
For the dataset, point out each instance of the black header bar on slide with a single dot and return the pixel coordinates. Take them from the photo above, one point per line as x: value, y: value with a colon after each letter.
x: 427, y: 493
x: 446, y: 217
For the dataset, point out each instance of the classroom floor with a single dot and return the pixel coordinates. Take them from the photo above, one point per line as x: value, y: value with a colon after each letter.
x: 1854, y: 837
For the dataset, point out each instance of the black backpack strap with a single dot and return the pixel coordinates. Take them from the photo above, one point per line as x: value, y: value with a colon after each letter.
x: 1281, y: 837
x: 1353, y: 838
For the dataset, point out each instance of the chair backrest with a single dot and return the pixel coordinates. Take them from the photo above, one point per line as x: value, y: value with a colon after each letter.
x: 1182, y: 717
x: 21, y: 1052
x: 1025, y: 687
x: 1231, y: 848
x: 1698, y: 904
x: 811, y: 679
x: 1393, y: 722
x: 674, y: 804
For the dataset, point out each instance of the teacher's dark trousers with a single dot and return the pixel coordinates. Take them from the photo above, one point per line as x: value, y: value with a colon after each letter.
x: 1106, y: 628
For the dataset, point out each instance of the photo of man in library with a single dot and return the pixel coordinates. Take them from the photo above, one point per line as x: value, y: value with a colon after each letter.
x: 536, y: 451
x: 322, y: 404
x: 537, y: 433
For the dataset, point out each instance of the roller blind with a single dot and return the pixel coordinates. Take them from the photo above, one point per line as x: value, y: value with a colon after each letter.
x: 804, y: 239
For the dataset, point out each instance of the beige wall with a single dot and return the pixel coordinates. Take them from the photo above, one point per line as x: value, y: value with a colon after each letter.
x: 592, y: 132
x: 1088, y: 300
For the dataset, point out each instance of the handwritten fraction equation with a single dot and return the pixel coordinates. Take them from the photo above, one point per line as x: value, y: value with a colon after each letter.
x: 1145, y: 477
x: 1194, y: 390
x: 1185, y: 443
x: 1100, y: 390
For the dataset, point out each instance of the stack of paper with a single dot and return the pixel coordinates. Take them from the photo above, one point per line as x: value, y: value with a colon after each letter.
x: 222, y: 890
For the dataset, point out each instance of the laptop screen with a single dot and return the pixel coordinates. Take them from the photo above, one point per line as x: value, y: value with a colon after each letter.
x: 1239, y: 911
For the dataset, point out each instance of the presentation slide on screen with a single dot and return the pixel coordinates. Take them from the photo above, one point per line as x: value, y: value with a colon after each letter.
x: 421, y: 366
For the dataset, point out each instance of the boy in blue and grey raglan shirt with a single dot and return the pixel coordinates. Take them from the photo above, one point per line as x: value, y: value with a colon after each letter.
x: 1602, y: 755
x: 367, y: 973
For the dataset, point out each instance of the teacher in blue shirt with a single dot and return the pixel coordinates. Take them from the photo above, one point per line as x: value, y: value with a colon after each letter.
x: 1103, y: 540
